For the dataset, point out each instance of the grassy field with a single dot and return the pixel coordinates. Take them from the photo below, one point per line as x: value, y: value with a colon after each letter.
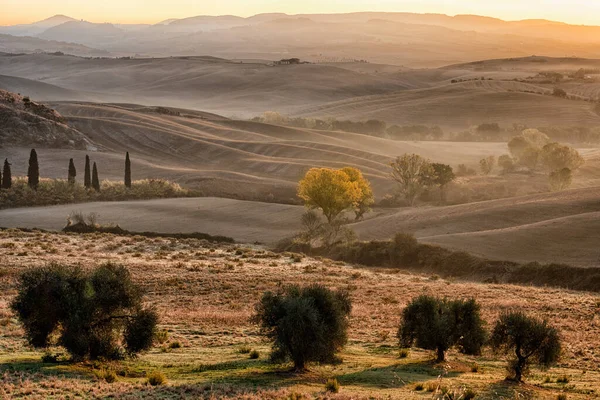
x: 205, y: 294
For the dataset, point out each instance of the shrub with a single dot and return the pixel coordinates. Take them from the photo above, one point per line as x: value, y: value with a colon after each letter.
x: 403, y: 353
x: 530, y: 340
x: 254, y: 355
x: 175, y: 345
x: 244, y: 350
x: 438, y: 324
x: 156, y: 378
x: 89, y: 312
x: 558, y: 92
x: 305, y: 324
x: 507, y: 163
x: 419, y: 387
x: 107, y: 375
x: 487, y: 165
x: 332, y: 385
x: 561, y: 179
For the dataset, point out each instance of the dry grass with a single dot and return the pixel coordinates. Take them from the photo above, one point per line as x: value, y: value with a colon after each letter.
x: 205, y: 295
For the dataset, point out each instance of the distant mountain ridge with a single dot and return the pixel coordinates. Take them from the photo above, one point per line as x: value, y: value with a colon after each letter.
x: 408, y: 39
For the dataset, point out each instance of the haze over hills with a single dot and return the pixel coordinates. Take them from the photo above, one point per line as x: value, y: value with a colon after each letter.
x: 409, y: 39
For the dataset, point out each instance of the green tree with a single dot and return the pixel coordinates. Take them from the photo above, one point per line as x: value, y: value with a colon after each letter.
x: 72, y: 172
x: 95, y: 179
x: 442, y: 176
x: 87, y: 177
x: 413, y: 174
x: 305, y: 324
x: 87, y: 312
x: 33, y: 172
x: 331, y: 191
x: 6, y: 175
x: 530, y: 340
x: 439, y: 324
x: 127, y: 171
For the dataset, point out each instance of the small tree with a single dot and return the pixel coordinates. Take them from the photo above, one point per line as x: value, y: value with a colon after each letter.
x: 413, y: 174
x: 95, y: 180
x: 438, y: 324
x: 127, y: 171
x: 331, y: 191
x: 442, y: 176
x: 556, y: 156
x: 530, y: 340
x: 72, y: 172
x: 558, y: 92
x: 33, y: 172
x: 88, y: 313
x: 561, y: 179
x: 487, y: 165
x: 87, y: 177
x: 6, y: 175
x: 305, y: 324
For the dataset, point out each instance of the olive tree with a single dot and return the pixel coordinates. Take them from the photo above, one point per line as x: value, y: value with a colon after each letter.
x: 438, y: 324
x: 88, y: 313
x: 305, y: 324
x: 529, y: 340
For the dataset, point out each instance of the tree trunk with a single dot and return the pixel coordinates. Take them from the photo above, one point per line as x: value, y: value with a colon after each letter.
x: 440, y: 355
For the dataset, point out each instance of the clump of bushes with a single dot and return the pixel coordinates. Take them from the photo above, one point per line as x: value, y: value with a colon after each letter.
x: 332, y: 385
x: 305, y: 324
x: 156, y: 378
x: 93, y: 315
x: 61, y: 191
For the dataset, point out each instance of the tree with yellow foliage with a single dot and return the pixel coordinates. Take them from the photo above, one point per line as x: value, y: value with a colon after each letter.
x: 335, y: 191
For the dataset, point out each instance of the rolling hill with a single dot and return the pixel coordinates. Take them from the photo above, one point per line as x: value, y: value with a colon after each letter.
x: 523, y: 229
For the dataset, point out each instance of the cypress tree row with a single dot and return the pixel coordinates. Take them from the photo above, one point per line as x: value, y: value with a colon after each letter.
x: 6, y: 175
x: 33, y: 172
x: 87, y: 177
x: 95, y: 180
x: 72, y: 172
x: 127, y: 172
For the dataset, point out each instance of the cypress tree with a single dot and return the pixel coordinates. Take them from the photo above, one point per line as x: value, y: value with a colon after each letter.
x: 72, y: 172
x: 127, y: 172
x: 95, y: 180
x: 87, y: 178
x: 6, y: 175
x: 33, y: 172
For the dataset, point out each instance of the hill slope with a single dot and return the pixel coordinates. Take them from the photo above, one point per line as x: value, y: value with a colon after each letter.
x: 26, y: 123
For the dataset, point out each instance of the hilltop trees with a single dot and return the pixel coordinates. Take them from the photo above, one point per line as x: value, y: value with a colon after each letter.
x: 530, y: 340
x: 6, y: 175
x: 88, y: 313
x: 561, y: 179
x: 438, y: 324
x: 305, y: 324
x: 413, y: 174
x: 72, y: 172
x: 87, y: 177
x: 33, y: 172
x: 127, y: 171
x: 95, y: 180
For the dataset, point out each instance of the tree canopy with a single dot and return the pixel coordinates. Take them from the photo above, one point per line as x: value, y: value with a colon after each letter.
x: 531, y: 341
x: 438, y: 324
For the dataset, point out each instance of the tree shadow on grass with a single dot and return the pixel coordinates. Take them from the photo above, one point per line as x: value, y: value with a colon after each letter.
x: 40, y: 370
x: 397, y: 375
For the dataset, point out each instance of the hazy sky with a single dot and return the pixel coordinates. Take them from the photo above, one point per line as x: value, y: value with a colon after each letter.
x: 151, y: 11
